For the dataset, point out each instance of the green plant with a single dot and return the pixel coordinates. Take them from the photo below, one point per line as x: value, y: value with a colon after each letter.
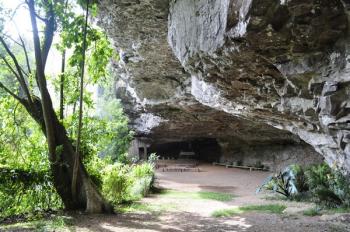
x: 140, y: 187
x: 341, y: 187
x: 26, y: 191
x: 125, y: 183
x: 152, y: 159
x: 312, y: 212
x: 290, y: 182
x: 328, y: 187
x: 55, y: 223
x: 116, y: 183
x: 318, y: 176
x: 271, y: 208
x: 143, y: 177
x: 155, y: 209
x: 143, y: 170
x: 124, y: 159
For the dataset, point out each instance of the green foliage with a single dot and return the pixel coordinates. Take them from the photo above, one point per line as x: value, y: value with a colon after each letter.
x: 152, y: 159
x: 143, y: 177
x: 23, y: 146
x: 216, y: 196
x: 142, y: 170
x: 155, y: 209
x: 116, y: 183
x: 317, y: 211
x: 271, y: 208
x: 312, y: 212
x: 319, y: 182
x: 140, y: 187
x: 328, y: 187
x: 318, y: 175
x: 289, y: 183
x: 124, y: 183
x: 23, y: 192
x: 53, y: 223
x: 123, y: 158
x: 25, y: 182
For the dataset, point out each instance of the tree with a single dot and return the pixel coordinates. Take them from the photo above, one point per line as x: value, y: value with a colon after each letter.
x: 61, y: 148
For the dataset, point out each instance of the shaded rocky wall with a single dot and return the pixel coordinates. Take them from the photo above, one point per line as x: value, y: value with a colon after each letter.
x: 275, y: 157
x: 259, y: 71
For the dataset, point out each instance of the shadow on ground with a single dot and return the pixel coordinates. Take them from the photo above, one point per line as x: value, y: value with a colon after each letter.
x: 174, y: 221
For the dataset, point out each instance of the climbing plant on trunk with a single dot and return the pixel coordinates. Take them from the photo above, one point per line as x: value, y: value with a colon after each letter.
x: 61, y: 149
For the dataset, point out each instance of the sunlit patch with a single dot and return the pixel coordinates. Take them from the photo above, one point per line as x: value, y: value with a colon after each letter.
x: 239, y: 222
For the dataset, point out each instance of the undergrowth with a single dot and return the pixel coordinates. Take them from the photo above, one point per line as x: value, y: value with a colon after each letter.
x: 270, y: 208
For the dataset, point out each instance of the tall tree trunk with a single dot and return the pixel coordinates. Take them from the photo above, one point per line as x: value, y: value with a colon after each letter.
x: 88, y: 196
x: 62, y: 84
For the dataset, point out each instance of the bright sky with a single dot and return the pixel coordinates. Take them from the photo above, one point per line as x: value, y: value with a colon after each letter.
x: 21, y: 22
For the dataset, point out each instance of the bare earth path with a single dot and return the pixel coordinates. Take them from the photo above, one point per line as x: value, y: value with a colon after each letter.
x: 185, y: 214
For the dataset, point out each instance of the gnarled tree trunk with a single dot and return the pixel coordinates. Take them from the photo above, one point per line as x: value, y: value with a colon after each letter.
x: 88, y: 196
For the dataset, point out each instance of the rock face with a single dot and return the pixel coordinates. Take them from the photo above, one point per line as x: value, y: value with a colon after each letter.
x: 248, y: 73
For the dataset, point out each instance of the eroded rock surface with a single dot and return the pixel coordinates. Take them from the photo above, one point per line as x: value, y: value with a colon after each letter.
x: 258, y: 72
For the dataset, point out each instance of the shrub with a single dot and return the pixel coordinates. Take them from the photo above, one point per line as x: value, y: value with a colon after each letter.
x: 140, y: 187
x: 124, y: 159
x: 318, y: 175
x: 24, y: 191
x: 328, y: 187
x: 289, y: 183
x: 152, y: 159
x: 143, y: 176
x: 116, y: 183
x: 143, y: 170
x: 124, y: 183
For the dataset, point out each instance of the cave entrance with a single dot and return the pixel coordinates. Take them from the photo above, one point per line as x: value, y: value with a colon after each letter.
x: 202, y: 149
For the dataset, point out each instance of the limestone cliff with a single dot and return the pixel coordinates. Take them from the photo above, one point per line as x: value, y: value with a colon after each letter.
x: 244, y: 72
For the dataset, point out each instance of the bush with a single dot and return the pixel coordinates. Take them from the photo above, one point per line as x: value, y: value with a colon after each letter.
x: 143, y: 170
x: 328, y: 187
x: 289, y: 183
x: 325, y: 186
x: 116, y: 183
x: 143, y: 176
x: 152, y: 159
x: 140, y: 187
x: 25, y: 191
x: 123, y: 183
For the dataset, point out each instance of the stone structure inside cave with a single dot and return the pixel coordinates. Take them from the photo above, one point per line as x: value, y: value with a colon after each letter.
x: 245, y: 80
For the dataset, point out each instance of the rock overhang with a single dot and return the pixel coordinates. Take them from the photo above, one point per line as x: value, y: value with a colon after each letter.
x: 262, y: 72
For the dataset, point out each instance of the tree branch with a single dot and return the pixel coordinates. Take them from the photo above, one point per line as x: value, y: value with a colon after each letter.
x: 11, y: 93
x: 25, y: 53
x: 22, y: 44
x: 10, y: 67
x: 19, y: 70
x: 41, y: 18
x: 50, y: 26
x: 46, y: 103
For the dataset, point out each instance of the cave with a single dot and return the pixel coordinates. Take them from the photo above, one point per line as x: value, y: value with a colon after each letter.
x: 247, y: 79
x: 203, y: 149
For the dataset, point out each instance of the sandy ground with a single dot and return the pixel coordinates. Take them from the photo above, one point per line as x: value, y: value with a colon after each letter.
x: 195, y: 214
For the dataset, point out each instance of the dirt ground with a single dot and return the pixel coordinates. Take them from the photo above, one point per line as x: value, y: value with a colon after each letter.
x: 187, y: 214
x: 195, y: 214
